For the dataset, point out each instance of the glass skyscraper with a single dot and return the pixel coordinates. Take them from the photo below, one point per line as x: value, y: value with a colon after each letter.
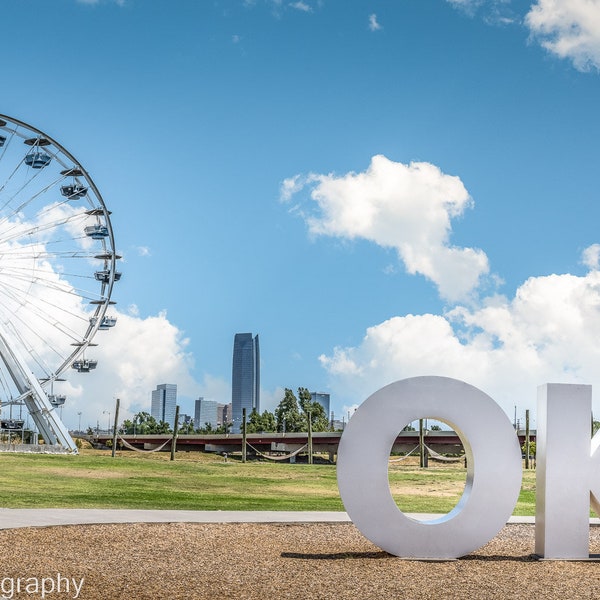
x: 206, y: 411
x: 245, y: 378
x: 164, y: 403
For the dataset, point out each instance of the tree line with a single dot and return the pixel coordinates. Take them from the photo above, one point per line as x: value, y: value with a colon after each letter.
x: 291, y: 415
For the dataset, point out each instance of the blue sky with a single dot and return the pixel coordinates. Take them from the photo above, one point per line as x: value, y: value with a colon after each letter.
x: 234, y: 142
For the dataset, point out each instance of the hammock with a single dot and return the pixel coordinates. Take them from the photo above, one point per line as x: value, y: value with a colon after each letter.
x: 439, y: 457
x: 131, y: 447
x: 401, y: 458
x: 286, y: 457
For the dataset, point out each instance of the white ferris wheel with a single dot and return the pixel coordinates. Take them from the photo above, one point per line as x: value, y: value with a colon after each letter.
x: 57, y: 272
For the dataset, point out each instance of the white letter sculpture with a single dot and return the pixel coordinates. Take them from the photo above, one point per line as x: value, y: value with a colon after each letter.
x: 493, y: 468
x: 567, y: 471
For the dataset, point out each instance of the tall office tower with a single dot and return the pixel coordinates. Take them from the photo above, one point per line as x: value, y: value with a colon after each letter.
x: 322, y: 399
x: 245, y: 378
x: 205, y: 411
x: 164, y: 403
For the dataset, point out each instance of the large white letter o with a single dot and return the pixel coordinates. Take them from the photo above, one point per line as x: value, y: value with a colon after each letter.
x: 493, y: 468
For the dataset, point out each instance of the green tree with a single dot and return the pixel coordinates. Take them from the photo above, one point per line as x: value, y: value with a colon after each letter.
x: 258, y: 423
x: 163, y: 427
x: 222, y: 429
x: 254, y: 423
x: 208, y: 429
x: 531, y: 449
x: 287, y: 414
x: 318, y: 417
x: 127, y: 426
x: 269, y: 422
x: 186, y: 428
x: 143, y: 424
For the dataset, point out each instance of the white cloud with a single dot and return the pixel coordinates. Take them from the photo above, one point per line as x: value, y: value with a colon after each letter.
x: 143, y: 251
x: 117, y: 2
x: 291, y: 186
x: 568, y: 28
x: 590, y: 257
x: 133, y: 357
x: 373, y: 23
x: 468, y: 6
x: 269, y: 400
x: 216, y: 388
x: 406, y: 207
x: 547, y: 333
x: 301, y: 6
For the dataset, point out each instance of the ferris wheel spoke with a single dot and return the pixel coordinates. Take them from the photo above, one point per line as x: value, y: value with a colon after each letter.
x: 47, y: 284
x: 46, y: 313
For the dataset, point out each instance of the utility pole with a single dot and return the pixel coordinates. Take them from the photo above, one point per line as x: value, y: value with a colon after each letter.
x: 527, y: 439
x: 175, y: 430
x: 243, y: 435
x: 114, y: 444
x: 310, y: 441
x: 423, y: 453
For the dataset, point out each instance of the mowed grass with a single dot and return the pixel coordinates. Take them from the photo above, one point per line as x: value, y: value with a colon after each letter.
x: 196, y: 481
x: 193, y: 481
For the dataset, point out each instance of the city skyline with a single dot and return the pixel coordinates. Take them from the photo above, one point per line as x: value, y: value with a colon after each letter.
x: 413, y: 192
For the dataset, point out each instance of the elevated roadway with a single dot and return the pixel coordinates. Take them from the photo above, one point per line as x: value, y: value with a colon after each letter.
x: 443, y: 442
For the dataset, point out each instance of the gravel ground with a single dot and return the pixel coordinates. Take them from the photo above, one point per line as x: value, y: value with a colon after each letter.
x: 250, y: 561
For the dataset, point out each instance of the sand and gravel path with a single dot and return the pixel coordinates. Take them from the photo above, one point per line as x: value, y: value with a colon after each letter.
x: 305, y: 561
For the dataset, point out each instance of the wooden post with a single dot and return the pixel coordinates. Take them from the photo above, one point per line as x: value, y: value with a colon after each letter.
x: 527, y: 439
x: 243, y: 435
x: 175, y: 430
x: 310, y: 444
x: 422, y: 459
x: 114, y: 444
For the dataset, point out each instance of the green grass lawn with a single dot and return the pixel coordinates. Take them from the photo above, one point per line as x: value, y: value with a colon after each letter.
x: 196, y: 481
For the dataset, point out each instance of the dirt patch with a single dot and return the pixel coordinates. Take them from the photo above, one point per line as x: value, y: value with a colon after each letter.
x: 88, y: 474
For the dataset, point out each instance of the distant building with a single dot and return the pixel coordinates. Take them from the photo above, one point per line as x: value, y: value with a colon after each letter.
x: 205, y: 411
x: 224, y: 414
x: 164, y: 403
x: 245, y: 378
x: 322, y: 399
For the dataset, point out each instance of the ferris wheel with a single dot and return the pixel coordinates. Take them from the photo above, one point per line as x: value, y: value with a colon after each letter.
x: 58, y: 266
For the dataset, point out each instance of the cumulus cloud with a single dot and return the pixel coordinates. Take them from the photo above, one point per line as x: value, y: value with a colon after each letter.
x: 548, y: 332
x: 405, y: 207
x: 133, y: 357
x: 569, y: 29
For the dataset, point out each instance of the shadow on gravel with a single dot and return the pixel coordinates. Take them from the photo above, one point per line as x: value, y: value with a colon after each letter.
x: 501, y: 558
x: 377, y: 555
x: 335, y: 556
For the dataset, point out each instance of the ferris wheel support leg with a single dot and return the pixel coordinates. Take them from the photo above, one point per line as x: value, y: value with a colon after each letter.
x: 42, y: 412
